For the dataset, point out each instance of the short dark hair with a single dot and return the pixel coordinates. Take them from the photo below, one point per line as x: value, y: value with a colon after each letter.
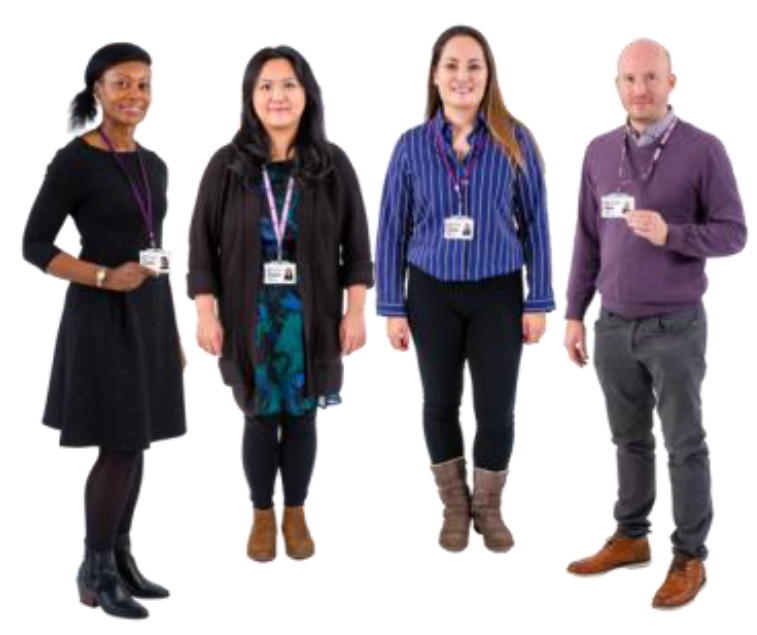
x: 84, y: 106
x: 312, y: 157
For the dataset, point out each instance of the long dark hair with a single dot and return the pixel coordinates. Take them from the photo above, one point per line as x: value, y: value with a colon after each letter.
x: 312, y: 157
x: 84, y: 105
x: 500, y: 122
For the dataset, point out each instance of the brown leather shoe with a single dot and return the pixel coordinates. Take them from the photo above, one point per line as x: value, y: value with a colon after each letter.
x: 299, y: 543
x: 261, y: 545
x: 454, y: 492
x: 487, y: 514
x: 685, y: 577
x: 618, y: 551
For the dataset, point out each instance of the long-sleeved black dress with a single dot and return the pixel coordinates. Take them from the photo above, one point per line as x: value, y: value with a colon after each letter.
x: 116, y: 379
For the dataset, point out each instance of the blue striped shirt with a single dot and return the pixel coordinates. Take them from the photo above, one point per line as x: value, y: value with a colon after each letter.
x: 508, y: 206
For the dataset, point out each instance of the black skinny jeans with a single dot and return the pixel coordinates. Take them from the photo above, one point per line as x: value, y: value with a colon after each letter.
x: 478, y: 322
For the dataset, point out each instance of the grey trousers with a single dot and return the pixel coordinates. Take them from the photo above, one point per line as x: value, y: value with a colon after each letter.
x: 657, y: 362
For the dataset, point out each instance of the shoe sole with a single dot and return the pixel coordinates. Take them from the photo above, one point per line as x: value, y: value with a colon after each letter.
x: 629, y: 565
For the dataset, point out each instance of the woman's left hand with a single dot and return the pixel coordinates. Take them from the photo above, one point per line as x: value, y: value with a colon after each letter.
x: 352, y: 331
x: 534, y: 326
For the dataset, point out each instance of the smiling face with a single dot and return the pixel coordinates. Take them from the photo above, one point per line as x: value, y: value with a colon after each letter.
x: 125, y: 92
x: 278, y: 98
x: 461, y: 74
x: 644, y: 82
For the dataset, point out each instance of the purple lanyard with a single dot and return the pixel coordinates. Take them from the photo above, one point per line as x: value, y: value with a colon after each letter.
x: 279, y: 226
x: 457, y: 182
x: 145, y: 204
x: 655, y: 157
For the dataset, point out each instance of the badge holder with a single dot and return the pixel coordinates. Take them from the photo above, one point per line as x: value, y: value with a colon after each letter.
x: 617, y: 205
x: 458, y: 228
x: 280, y: 272
x: 158, y: 260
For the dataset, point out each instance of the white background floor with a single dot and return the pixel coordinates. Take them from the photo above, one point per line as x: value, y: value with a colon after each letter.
x: 373, y: 508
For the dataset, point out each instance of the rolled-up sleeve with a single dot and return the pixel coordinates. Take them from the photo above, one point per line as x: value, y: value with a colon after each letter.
x: 532, y: 215
x: 355, y: 265
x: 395, y: 228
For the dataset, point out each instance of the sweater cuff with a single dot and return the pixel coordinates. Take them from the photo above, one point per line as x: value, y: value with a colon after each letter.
x: 675, y: 237
x: 201, y: 282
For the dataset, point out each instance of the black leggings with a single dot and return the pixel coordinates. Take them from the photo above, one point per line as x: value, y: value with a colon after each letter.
x: 279, y: 442
x: 111, y: 495
x: 477, y: 322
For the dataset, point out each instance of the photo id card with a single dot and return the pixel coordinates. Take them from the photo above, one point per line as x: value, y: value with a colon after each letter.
x: 616, y: 205
x: 158, y: 260
x: 458, y: 228
x: 280, y: 273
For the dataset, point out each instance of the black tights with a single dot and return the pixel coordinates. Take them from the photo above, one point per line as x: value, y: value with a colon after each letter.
x: 111, y: 495
x: 478, y: 323
x: 279, y: 442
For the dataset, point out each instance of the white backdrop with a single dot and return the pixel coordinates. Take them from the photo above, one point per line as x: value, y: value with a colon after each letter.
x: 373, y: 508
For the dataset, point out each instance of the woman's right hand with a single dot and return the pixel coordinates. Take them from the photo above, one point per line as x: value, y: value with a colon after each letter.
x: 398, y: 331
x: 209, y: 333
x: 127, y: 277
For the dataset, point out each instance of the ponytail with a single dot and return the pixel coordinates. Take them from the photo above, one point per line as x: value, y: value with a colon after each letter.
x: 83, y: 109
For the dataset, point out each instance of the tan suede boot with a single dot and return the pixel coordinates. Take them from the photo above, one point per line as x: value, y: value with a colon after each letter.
x: 299, y: 543
x: 261, y: 545
x: 487, y: 516
x: 454, y: 492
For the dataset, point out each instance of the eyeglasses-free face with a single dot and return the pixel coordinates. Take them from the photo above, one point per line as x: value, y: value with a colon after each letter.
x: 278, y: 98
x: 125, y: 92
x: 644, y: 82
x: 461, y: 74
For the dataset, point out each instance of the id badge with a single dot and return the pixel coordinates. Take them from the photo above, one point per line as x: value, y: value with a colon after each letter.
x: 458, y: 228
x: 158, y: 260
x: 280, y: 273
x: 616, y: 205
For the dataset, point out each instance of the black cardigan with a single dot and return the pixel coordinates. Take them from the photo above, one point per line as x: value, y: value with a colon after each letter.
x: 333, y: 252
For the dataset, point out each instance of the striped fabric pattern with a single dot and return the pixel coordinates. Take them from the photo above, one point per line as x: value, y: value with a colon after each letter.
x: 508, y: 206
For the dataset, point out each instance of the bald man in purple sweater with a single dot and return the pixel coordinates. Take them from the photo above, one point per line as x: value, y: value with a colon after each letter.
x: 658, y: 197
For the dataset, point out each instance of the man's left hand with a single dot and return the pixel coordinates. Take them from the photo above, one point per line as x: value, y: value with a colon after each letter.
x: 649, y: 225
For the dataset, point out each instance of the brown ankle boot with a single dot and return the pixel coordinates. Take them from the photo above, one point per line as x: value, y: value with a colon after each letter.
x: 685, y: 578
x: 487, y: 515
x: 299, y: 543
x: 619, y: 551
x: 261, y: 546
x: 454, y: 492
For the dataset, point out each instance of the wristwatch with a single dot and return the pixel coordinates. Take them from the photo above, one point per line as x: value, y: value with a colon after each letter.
x: 100, y: 276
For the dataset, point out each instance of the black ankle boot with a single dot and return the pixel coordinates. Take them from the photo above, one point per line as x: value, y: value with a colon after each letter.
x: 100, y: 585
x: 135, y: 582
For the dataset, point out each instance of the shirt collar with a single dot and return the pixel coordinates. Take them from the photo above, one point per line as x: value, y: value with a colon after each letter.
x: 446, y: 128
x: 654, y: 132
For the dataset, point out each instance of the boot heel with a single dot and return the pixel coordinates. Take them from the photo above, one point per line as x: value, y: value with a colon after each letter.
x: 476, y: 528
x: 88, y: 597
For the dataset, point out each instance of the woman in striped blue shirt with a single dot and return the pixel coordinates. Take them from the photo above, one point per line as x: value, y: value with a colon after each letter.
x: 462, y: 214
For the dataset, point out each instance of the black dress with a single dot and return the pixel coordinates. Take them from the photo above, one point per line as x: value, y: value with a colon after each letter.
x: 116, y: 379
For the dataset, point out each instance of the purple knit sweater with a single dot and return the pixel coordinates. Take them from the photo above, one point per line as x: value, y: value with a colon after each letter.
x: 694, y: 189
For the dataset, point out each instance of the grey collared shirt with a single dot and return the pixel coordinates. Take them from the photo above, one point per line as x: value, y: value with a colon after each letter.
x: 655, y: 131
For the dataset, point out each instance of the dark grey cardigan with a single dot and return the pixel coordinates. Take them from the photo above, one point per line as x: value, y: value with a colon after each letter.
x: 333, y: 252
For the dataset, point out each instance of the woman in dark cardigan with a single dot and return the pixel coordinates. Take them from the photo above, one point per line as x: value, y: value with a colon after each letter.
x: 279, y: 232
x: 116, y: 381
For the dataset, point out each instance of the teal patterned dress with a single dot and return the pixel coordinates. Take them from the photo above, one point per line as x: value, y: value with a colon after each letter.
x: 279, y: 334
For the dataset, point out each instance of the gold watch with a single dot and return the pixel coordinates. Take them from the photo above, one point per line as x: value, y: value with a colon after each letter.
x: 100, y: 276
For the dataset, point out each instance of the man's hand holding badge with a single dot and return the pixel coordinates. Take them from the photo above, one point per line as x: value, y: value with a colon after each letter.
x: 649, y: 225
x: 645, y: 223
